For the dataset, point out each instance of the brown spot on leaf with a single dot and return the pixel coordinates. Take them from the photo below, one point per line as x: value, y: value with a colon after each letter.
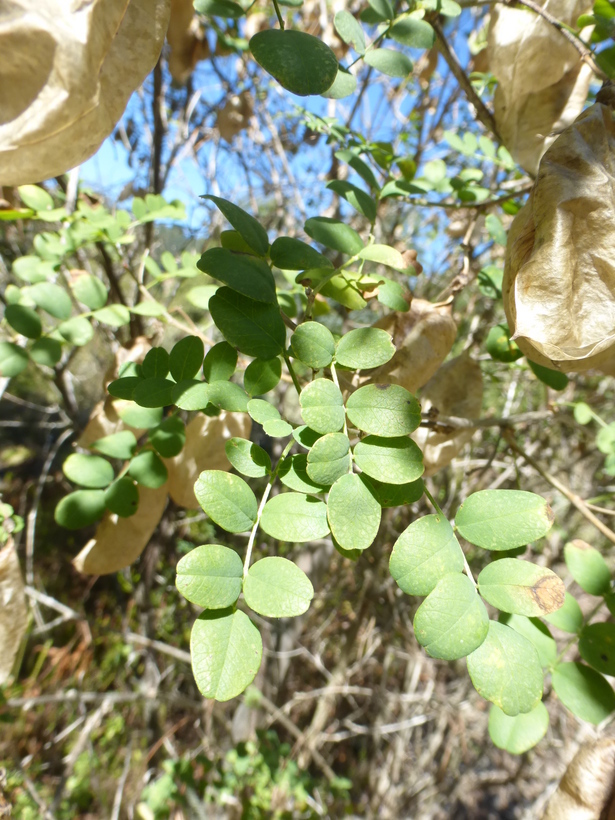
x: 580, y: 544
x: 382, y: 386
x: 548, y: 593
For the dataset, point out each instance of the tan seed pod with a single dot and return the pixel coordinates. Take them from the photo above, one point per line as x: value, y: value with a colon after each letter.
x: 585, y: 791
x: 13, y: 609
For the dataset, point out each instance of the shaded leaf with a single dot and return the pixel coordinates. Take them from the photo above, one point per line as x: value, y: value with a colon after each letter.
x: 210, y: 576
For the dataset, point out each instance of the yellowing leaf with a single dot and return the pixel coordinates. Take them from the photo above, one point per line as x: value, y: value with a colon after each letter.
x: 120, y: 541
x: 13, y: 610
x: 206, y: 437
x: 559, y: 276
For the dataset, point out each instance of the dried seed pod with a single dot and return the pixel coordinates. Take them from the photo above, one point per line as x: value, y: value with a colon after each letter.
x: 559, y: 276
x: 235, y: 115
x: 13, y: 610
x: 542, y: 82
x: 455, y: 390
x: 186, y: 39
x: 585, y: 791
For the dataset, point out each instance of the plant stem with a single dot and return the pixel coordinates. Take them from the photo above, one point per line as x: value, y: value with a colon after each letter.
x: 261, y: 507
x: 439, y: 511
x: 279, y: 14
x: 293, y: 375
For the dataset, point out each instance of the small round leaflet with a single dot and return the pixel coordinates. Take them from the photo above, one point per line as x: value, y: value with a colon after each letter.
x: 300, y: 62
x: 392, y: 460
x: 520, y: 733
x: 503, y: 519
x: 277, y: 588
x: 452, y: 621
x: 506, y: 670
x: 584, y: 691
x: 424, y: 553
x: 364, y: 348
x: 386, y: 410
x: 313, y: 344
x: 88, y: 471
x: 295, y: 517
x: 329, y: 459
x: 322, y: 406
x: 227, y: 500
x: 353, y: 512
x: 80, y: 509
x: 210, y: 576
x: 226, y: 651
x: 521, y: 587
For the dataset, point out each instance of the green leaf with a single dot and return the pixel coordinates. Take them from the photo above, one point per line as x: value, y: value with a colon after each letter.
x: 220, y: 362
x: 424, y: 553
x: 386, y: 410
x: 364, y: 348
x: 200, y: 296
x: 383, y: 255
x: 51, y: 298
x: 24, y: 320
x: 503, y: 519
x: 587, y: 567
x: 186, y: 358
x: 277, y: 428
x: 277, y: 588
x: 500, y: 346
x: 313, y: 344
x: 605, y: 440
x: 149, y: 308
x: 334, y: 234
x: 397, y: 495
x: 382, y: 8
x: 117, y: 445
x: 293, y: 254
x: 329, y: 459
x: 226, y: 651
x: 537, y: 634
x: 227, y: 500
x: 247, y: 458
x: 226, y: 9
x: 360, y: 201
x: 300, y: 62
x: 248, y: 275
x: 584, y: 691
x: 122, y: 497
x: 169, y: 437
x: 490, y: 282
x: 322, y: 406
x: 520, y: 733
x: 113, y: 315
x: 148, y: 470
x: 233, y: 241
x: 305, y: 436
x: 33, y: 269
x: 228, y: 396
x: 597, y: 646
x: 262, y: 411
x: 210, y: 576
x: 344, y: 85
x: 89, y: 290
x: 521, y: 587
x: 155, y: 364
x: 583, y: 413
x: 569, y: 618
x: 452, y: 621
x: 350, y: 31
x: 391, y: 460
x: 410, y: 31
x: 262, y: 375
x: 153, y: 392
x: 46, y: 351
x: 123, y: 388
x: 77, y: 331
x: 495, y: 229
x: 552, y: 378
x: 393, y: 295
x: 292, y: 472
x: 35, y: 197
x: 295, y: 517
x: 506, y: 670
x: 13, y: 359
x: 353, y: 512
x: 255, y: 328
x: 139, y: 417
x: 250, y: 229
x: 88, y: 471
x: 448, y: 8
x: 80, y: 509
x: 390, y: 62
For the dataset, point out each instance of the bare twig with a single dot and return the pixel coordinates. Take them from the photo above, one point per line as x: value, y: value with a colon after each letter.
x: 117, y: 801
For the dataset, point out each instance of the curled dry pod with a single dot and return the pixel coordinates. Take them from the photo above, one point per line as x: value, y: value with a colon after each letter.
x: 80, y: 62
x: 455, y: 390
x: 235, y: 115
x: 118, y: 542
x: 423, y: 337
x: 585, y: 791
x: 13, y: 610
x: 203, y: 450
x: 542, y: 81
x: 186, y: 39
x: 559, y: 276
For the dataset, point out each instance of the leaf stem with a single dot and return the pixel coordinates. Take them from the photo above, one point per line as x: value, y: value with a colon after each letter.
x: 439, y: 511
x: 293, y: 375
x: 279, y: 14
x: 261, y: 507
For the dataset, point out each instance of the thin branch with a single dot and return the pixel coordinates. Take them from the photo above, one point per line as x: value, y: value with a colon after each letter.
x: 482, y: 112
x: 448, y: 424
